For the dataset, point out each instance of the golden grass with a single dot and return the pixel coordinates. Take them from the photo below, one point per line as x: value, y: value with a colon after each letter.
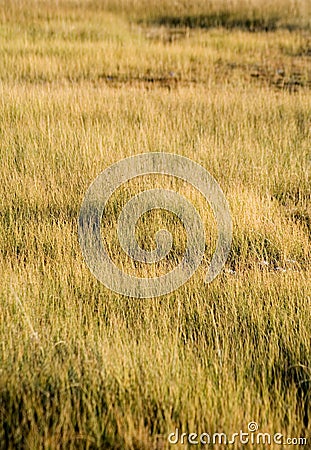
x: 85, y: 84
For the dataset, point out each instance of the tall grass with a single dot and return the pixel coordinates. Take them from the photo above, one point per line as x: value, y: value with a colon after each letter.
x: 83, y: 85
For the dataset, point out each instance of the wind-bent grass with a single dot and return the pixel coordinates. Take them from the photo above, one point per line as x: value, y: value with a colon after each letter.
x: 83, y: 85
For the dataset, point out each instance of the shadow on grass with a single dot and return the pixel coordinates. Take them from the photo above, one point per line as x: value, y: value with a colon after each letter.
x: 226, y: 20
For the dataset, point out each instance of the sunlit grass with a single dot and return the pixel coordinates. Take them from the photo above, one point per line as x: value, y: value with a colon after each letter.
x: 85, y: 84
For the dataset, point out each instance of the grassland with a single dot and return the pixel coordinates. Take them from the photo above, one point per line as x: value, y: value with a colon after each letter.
x: 84, y: 84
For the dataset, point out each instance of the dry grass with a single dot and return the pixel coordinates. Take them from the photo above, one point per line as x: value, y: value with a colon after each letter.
x: 85, y: 84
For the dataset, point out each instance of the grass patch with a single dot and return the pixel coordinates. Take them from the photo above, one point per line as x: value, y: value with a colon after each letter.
x: 83, y: 85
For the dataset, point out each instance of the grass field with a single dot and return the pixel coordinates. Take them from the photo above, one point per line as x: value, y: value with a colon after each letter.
x: 84, y: 84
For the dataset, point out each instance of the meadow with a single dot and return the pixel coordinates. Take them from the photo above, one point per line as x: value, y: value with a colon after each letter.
x: 86, y: 83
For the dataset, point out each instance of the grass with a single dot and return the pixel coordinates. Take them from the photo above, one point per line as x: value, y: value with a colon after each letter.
x: 85, y: 84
